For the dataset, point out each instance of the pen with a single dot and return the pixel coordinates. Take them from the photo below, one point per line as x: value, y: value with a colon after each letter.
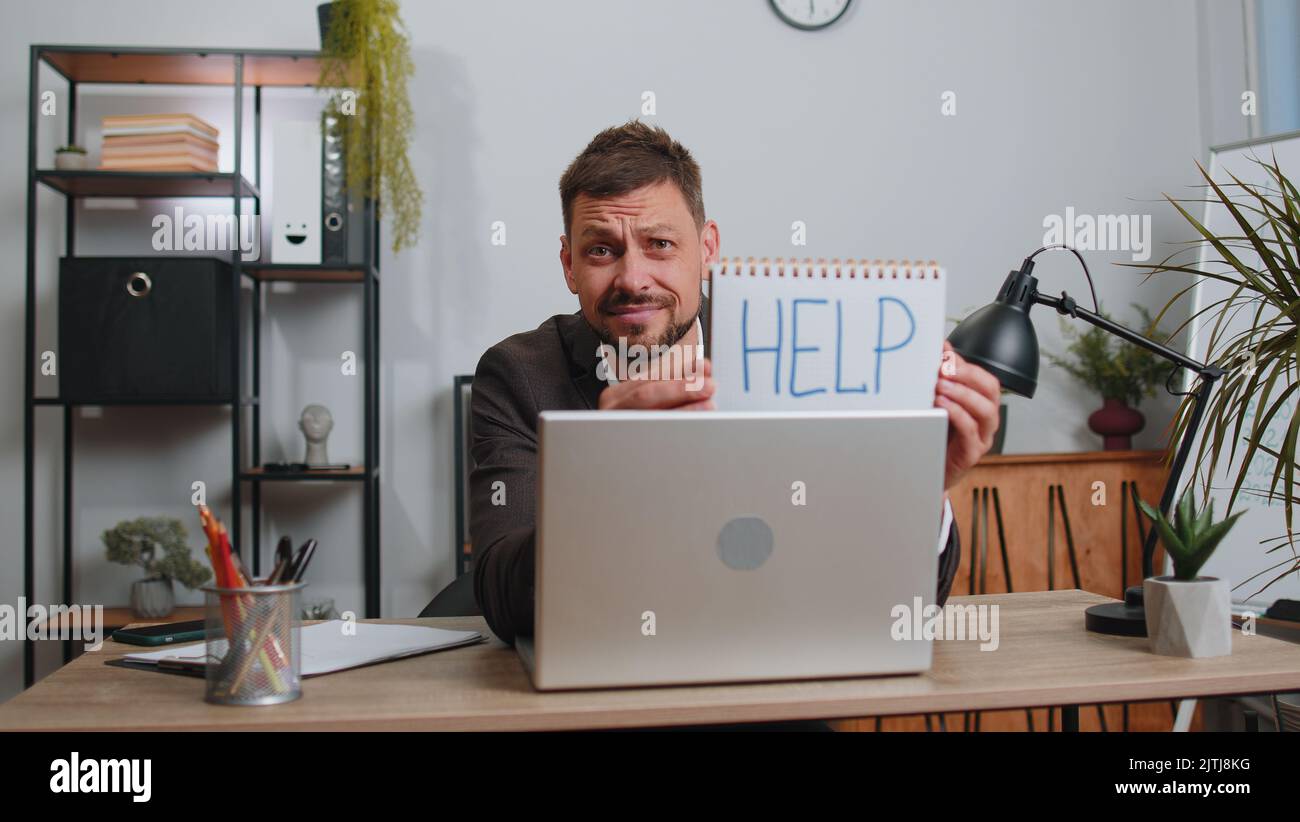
x: 283, y: 558
x: 304, y: 557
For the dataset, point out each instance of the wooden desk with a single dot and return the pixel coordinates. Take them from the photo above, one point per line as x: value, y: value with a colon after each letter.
x: 1045, y: 658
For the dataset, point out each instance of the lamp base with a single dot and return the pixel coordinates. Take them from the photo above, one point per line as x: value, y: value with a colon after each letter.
x: 1127, y: 618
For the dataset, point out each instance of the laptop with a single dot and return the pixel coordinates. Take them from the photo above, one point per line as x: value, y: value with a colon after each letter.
x: 680, y: 547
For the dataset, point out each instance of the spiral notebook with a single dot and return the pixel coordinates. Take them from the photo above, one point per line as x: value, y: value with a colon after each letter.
x: 789, y: 335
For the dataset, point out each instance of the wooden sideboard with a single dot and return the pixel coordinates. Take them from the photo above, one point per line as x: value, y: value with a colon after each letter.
x: 1097, y: 506
x: 1016, y: 500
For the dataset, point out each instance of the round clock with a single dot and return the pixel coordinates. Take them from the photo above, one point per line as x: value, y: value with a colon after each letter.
x: 810, y: 15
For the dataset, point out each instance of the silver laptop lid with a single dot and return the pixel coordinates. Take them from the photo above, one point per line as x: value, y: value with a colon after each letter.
x: 681, y: 547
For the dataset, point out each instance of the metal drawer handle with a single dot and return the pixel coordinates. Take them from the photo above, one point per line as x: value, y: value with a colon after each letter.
x: 138, y: 284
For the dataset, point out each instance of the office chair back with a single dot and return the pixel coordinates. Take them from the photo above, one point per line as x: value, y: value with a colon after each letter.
x: 456, y: 600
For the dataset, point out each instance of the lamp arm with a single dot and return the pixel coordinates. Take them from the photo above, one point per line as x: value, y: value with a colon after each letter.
x: 1209, y: 374
x: 1200, y: 399
x: 1066, y: 305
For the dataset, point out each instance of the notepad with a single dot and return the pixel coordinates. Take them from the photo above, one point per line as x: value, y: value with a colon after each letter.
x: 327, y: 647
x: 787, y: 335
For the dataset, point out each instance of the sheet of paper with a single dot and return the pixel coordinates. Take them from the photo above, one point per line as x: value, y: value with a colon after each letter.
x: 826, y: 339
x: 327, y: 648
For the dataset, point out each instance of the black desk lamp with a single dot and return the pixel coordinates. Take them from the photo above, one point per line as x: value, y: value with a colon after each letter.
x: 1000, y: 338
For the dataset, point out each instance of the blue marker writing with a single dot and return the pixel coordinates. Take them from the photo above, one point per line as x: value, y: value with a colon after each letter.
x: 746, y: 350
x: 880, y: 331
x: 796, y: 348
x: 839, y: 348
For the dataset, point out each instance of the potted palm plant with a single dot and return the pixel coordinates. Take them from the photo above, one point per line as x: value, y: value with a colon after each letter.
x: 1121, y: 372
x: 366, y: 65
x: 1187, y: 614
x: 1259, y: 260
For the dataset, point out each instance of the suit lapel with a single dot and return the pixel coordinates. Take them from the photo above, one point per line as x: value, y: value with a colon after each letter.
x: 581, y: 344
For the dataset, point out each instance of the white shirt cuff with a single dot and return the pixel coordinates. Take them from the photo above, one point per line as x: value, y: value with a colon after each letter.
x: 946, y: 526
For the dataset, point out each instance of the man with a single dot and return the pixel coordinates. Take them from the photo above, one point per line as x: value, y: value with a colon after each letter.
x: 635, y: 247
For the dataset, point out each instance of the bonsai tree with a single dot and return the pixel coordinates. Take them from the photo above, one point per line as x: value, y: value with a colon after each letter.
x: 156, y: 544
x: 1190, y: 539
x: 365, y: 49
x: 1114, y: 368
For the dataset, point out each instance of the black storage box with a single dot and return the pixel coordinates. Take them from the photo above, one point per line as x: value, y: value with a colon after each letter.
x: 148, y: 328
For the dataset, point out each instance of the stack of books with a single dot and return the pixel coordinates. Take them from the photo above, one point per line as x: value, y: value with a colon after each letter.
x: 159, y: 142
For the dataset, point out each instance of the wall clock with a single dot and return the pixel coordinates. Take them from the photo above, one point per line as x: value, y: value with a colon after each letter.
x: 810, y: 15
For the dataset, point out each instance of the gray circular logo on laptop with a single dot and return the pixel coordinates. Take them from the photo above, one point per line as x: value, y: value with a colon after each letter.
x: 745, y: 543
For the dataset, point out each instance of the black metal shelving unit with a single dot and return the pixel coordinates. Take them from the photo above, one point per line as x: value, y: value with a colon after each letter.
x: 240, y: 69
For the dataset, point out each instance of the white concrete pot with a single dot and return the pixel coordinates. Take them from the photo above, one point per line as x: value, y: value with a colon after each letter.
x: 1190, y: 619
x: 70, y: 161
x: 152, y: 598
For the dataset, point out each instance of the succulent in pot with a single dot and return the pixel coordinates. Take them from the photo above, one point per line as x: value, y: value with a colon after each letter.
x: 70, y: 158
x: 1188, y: 614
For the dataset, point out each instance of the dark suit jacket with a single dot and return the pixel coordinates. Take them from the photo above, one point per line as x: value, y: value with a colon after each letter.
x: 552, y: 368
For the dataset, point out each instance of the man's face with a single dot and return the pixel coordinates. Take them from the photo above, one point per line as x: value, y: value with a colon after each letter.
x: 636, y: 261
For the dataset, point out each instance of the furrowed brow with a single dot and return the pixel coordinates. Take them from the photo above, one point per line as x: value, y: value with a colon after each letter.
x: 597, y: 231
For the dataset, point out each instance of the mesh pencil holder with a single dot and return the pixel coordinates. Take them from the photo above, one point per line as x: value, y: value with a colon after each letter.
x: 254, y: 654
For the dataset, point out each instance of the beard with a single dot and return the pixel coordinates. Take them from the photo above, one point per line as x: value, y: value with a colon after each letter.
x: 637, y: 334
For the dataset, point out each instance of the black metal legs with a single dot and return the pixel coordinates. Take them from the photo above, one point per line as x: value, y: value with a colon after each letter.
x: 1070, y: 718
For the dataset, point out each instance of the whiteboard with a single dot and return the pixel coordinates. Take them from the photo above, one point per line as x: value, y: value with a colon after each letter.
x: 1241, y: 556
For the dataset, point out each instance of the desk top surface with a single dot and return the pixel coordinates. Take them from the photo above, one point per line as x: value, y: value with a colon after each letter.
x: 1045, y: 657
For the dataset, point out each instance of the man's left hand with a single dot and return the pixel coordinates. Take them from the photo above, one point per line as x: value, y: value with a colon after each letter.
x: 971, y: 397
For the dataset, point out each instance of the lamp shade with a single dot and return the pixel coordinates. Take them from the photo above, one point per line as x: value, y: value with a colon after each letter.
x: 1000, y: 336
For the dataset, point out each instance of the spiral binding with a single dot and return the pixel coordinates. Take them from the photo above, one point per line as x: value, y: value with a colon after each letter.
x: 851, y: 269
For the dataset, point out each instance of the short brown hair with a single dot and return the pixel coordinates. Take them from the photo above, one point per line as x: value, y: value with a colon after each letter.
x: 624, y: 158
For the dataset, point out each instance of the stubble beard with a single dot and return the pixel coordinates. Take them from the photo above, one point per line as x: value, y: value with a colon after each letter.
x: 636, y: 335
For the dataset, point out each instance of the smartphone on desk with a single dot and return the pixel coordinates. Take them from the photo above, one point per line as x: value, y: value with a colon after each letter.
x: 166, y: 634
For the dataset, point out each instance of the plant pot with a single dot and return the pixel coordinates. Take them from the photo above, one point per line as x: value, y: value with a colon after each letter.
x: 1116, y: 423
x: 323, y: 14
x: 70, y: 161
x: 1190, y: 618
x: 152, y: 598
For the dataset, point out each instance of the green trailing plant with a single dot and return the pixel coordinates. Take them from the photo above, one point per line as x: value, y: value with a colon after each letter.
x: 365, y: 50
x: 158, y: 545
x: 1259, y: 362
x: 1191, y: 538
x: 69, y: 149
x: 1113, y: 367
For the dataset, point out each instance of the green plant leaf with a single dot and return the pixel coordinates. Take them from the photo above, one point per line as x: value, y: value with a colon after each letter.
x: 1173, y: 545
x: 1200, y: 552
x: 1258, y: 258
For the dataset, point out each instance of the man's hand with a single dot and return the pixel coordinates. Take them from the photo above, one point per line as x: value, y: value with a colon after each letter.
x: 691, y: 393
x: 971, y: 397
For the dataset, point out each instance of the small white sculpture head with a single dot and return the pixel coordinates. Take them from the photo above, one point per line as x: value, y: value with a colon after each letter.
x: 316, y: 423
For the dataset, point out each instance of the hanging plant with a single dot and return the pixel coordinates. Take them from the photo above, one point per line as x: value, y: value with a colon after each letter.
x: 365, y: 51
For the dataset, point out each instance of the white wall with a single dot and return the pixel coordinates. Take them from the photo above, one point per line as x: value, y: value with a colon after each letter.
x: 1101, y: 106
